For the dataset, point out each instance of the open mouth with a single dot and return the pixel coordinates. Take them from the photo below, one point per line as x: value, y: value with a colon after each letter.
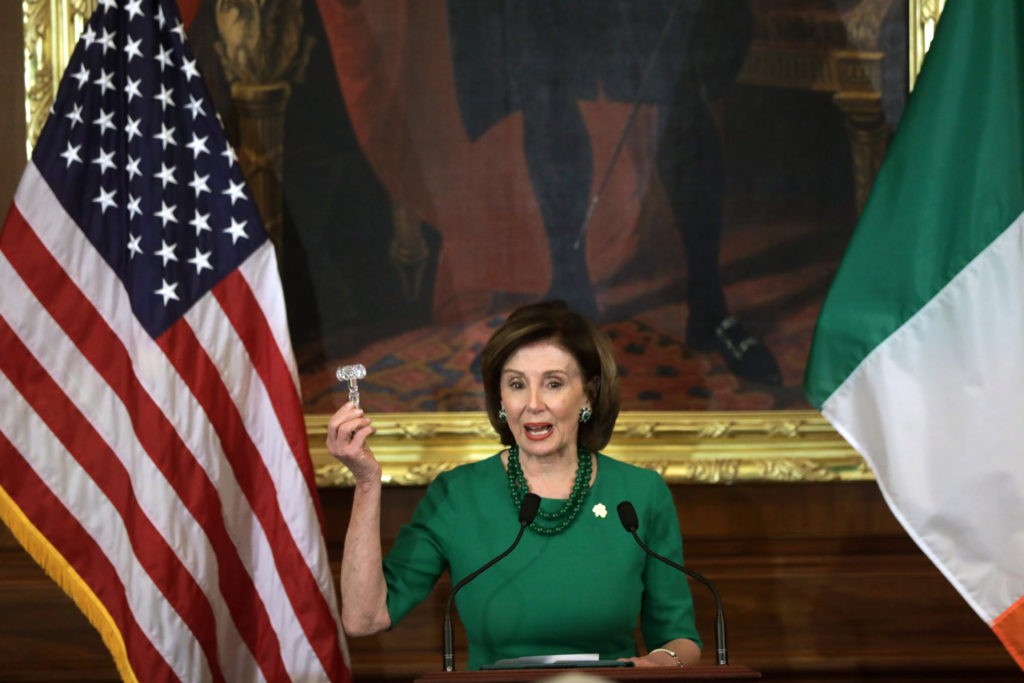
x: 537, y: 431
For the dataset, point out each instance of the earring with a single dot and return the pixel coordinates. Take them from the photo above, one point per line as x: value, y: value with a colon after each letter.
x: 585, y: 413
x: 502, y: 415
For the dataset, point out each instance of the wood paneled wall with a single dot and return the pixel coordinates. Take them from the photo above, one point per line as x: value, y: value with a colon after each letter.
x: 819, y: 583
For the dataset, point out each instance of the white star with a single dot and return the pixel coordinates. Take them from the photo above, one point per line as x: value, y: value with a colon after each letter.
x: 167, y: 291
x: 189, y: 67
x: 163, y: 56
x: 131, y: 49
x: 195, y: 106
x: 201, y: 222
x: 132, y: 167
x: 229, y: 153
x: 199, y: 183
x: 133, y: 8
x: 131, y: 128
x: 160, y: 17
x: 105, y: 161
x: 179, y: 30
x: 134, y: 246
x: 133, y: 206
x: 105, y: 200
x: 71, y: 154
x: 166, y: 136
x: 166, y: 175
x: 166, y: 252
x: 198, y: 145
x: 236, y: 230
x: 166, y: 213
x: 165, y: 96
x: 88, y: 36
x: 109, y: 4
x: 75, y: 115
x: 105, y: 121
x: 201, y: 260
x: 107, y: 40
x: 105, y: 81
x: 235, y: 191
x: 82, y: 76
x: 131, y: 88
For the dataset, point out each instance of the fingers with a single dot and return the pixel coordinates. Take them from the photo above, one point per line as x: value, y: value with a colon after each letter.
x: 640, y: 662
x: 347, y: 431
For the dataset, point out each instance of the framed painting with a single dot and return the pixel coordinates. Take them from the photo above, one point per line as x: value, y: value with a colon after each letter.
x: 686, y: 173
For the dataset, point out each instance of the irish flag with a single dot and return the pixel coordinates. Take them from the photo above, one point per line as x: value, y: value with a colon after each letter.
x: 918, y: 358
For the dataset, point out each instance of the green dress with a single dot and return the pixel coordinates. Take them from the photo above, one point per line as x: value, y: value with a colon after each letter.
x: 578, y: 591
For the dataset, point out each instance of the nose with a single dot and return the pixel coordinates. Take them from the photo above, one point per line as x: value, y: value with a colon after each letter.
x: 535, y: 403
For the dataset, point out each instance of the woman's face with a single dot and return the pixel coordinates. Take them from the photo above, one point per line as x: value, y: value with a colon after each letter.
x: 542, y: 393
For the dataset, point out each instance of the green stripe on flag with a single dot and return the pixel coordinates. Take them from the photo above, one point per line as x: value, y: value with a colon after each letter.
x: 953, y: 180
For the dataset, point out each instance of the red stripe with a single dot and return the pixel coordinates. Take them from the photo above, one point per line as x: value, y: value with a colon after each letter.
x: 77, y: 547
x: 158, y: 437
x: 93, y: 454
x: 192, y: 362
x: 246, y: 315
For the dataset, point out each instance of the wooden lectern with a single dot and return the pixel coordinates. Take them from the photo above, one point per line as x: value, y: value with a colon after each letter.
x: 728, y: 672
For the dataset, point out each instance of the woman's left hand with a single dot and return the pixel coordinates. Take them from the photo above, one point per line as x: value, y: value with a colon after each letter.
x: 648, y: 661
x: 687, y: 654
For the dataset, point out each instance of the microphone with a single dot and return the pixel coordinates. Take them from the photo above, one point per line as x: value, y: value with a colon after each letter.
x: 527, y: 512
x: 630, y: 522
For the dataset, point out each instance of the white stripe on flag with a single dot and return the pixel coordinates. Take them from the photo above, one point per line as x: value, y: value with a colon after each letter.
x: 913, y: 405
x: 259, y: 272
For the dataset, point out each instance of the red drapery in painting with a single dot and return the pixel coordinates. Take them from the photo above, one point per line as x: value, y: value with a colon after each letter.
x: 188, y: 10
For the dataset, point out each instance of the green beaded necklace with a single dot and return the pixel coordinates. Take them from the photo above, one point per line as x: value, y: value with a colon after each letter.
x: 566, y: 514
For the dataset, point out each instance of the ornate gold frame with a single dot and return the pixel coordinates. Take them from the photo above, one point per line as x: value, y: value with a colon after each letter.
x: 923, y: 16
x: 686, y: 447
x: 697, y: 447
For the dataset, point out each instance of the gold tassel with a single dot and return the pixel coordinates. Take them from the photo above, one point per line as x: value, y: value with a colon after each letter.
x: 57, y: 568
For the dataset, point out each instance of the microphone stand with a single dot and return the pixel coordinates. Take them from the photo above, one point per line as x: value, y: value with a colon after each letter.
x: 627, y: 515
x: 527, y: 513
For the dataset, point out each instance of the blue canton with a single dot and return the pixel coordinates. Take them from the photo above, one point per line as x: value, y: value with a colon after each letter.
x: 136, y: 154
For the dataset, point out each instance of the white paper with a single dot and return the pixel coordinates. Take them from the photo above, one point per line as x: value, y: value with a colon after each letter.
x: 549, y: 659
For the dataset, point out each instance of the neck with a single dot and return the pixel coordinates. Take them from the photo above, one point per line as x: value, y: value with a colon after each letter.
x: 553, y: 464
x: 550, y: 476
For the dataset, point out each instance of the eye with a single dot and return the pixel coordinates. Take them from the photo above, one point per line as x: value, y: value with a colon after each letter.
x: 515, y: 384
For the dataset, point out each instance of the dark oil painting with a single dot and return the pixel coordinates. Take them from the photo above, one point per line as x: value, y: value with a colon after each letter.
x: 685, y: 172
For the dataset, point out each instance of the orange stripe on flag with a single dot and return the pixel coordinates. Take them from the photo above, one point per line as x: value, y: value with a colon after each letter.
x: 1009, y: 626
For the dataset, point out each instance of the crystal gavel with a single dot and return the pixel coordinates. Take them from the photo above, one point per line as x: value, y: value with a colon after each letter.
x: 351, y: 374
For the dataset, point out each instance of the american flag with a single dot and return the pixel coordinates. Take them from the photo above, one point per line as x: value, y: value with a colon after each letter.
x: 153, y: 456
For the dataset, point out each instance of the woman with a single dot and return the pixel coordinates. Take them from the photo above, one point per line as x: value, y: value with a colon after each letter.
x: 576, y: 582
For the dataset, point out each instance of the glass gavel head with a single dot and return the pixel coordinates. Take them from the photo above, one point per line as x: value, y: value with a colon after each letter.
x: 351, y: 374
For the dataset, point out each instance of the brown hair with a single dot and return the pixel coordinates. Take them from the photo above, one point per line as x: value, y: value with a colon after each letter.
x: 555, y: 322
